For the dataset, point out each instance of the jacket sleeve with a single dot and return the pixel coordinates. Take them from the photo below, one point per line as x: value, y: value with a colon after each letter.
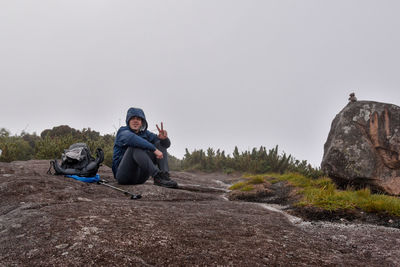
x: 166, y: 143
x: 154, y: 138
x: 127, y: 138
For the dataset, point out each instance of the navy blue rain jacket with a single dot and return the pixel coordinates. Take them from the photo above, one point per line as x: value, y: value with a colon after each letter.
x: 126, y: 137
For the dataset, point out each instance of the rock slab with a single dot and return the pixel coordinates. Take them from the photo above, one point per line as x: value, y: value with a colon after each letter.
x: 363, y: 147
x: 50, y: 220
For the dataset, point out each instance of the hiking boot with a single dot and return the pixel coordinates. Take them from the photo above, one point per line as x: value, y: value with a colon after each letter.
x: 162, y: 179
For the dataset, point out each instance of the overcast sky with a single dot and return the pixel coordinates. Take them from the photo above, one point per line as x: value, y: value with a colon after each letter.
x: 218, y: 73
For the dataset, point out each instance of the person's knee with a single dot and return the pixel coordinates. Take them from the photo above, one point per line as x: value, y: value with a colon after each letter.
x: 139, y: 153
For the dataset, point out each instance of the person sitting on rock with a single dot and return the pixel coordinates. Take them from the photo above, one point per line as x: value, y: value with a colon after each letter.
x: 352, y: 98
x: 139, y: 153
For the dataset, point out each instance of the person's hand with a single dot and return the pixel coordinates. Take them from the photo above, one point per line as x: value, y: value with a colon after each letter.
x: 162, y: 134
x: 158, y: 154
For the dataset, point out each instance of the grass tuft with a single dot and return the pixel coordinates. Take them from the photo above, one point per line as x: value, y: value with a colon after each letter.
x: 247, y: 188
x: 256, y: 180
x: 237, y: 186
x: 248, y: 184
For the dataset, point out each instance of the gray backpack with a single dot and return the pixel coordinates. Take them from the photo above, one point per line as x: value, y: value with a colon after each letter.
x: 77, y: 160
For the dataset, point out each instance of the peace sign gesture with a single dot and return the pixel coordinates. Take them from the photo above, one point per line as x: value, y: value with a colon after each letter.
x: 162, y: 134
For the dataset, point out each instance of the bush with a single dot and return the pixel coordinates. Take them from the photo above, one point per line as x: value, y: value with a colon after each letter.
x: 254, y: 161
x: 51, y: 144
x: 52, y: 147
x: 14, y: 148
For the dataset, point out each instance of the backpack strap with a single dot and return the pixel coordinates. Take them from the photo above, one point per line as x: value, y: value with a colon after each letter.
x: 51, y: 165
x: 99, y: 156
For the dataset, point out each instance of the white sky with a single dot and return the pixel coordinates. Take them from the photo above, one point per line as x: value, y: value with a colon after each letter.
x: 218, y: 73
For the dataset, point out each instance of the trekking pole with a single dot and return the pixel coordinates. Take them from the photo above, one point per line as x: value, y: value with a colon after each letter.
x: 133, y: 196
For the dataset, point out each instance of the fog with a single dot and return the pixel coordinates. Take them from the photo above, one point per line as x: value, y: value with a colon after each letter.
x: 218, y: 73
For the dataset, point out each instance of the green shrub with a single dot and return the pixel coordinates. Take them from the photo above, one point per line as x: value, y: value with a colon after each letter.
x: 52, y: 147
x: 14, y: 148
x: 255, y: 161
x: 51, y: 144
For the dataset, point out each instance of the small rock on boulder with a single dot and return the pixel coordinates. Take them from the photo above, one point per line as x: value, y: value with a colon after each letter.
x: 363, y: 147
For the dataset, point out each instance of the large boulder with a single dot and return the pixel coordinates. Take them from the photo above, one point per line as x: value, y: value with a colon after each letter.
x: 363, y: 147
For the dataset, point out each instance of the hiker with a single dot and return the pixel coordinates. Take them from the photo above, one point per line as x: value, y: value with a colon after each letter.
x: 139, y: 153
x: 353, y: 98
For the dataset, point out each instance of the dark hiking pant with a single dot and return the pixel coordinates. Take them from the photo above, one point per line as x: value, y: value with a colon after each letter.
x: 137, y: 165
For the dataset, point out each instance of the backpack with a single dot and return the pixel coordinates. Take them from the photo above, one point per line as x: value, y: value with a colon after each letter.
x: 77, y: 160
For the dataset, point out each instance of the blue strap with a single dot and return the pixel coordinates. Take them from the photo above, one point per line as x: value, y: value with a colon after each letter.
x: 85, y: 179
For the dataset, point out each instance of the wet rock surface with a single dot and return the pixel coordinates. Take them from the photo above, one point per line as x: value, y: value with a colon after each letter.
x: 55, y: 221
x: 363, y: 147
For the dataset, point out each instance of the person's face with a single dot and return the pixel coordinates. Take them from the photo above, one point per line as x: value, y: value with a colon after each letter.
x: 135, y: 123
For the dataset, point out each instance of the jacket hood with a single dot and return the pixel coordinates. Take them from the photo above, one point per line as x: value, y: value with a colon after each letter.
x: 136, y: 112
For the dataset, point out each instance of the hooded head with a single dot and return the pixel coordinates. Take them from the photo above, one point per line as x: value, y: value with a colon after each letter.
x: 136, y: 112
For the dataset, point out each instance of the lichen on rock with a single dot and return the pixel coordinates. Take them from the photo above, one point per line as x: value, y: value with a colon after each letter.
x: 363, y: 147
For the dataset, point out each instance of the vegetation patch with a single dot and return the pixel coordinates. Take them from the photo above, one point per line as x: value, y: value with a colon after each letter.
x: 52, y: 142
x: 257, y: 161
x: 247, y: 185
x: 238, y: 186
x: 322, y: 194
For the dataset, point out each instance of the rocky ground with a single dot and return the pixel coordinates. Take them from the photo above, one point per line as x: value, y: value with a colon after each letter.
x: 50, y: 220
